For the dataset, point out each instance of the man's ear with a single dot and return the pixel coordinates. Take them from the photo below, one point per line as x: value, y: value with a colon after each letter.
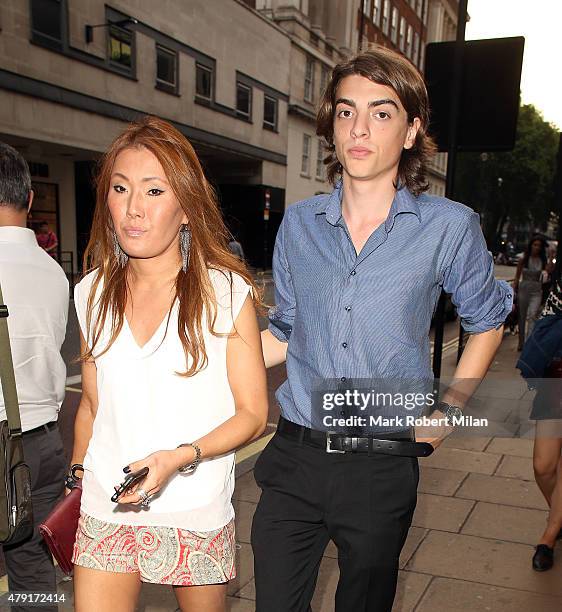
x: 31, y: 194
x: 412, y: 133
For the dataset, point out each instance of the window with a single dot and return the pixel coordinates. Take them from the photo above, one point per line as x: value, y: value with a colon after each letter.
x: 386, y: 17
x: 305, y: 164
x: 243, y: 100
x: 402, y: 35
x: 269, y: 112
x: 394, y: 25
x: 324, y: 79
x: 203, y: 81
x: 367, y: 7
x: 120, y: 47
x: 309, y: 80
x: 166, y: 69
x: 46, y: 22
x: 377, y: 5
x: 320, y: 167
x: 409, y: 39
x: 416, y: 51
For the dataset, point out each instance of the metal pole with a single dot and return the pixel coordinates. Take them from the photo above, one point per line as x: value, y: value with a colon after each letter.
x: 451, y: 166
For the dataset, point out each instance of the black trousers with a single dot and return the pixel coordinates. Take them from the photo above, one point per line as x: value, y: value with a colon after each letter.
x: 363, y: 503
x: 29, y: 564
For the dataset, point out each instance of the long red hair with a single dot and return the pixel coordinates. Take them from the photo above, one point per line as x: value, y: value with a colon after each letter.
x: 209, y: 243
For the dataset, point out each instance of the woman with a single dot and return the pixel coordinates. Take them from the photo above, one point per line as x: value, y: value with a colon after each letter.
x: 541, y: 364
x: 532, y: 272
x: 172, y: 379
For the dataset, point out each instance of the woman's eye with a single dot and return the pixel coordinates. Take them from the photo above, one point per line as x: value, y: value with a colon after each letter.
x: 155, y: 192
x: 119, y: 188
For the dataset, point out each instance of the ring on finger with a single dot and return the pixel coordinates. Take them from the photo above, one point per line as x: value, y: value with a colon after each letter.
x: 142, y: 494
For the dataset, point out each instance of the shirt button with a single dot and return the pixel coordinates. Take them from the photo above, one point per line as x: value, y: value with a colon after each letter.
x: 353, y: 273
x: 343, y: 378
x: 348, y: 308
x: 344, y: 344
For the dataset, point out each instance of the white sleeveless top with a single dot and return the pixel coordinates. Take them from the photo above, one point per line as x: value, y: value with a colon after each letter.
x: 144, y: 406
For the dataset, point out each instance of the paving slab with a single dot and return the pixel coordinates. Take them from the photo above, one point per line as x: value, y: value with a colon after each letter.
x: 244, y: 513
x: 500, y: 522
x: 413, y: 540
x: 157, y: 598
x: 518, y: 447
x: 244, y: 568
x: 484, y: 560
x: 516, y: 467
x: 440, y: 481
x: 246, y: 488
x: 466, y: 441
x: 448, y: 595
x: 441, y: 512
x: 500, y: 490
x: 462, y: 460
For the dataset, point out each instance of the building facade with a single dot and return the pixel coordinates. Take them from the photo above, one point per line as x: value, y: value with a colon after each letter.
x: 73, y: 73
x: 321, y: 34
x: 407, y: 26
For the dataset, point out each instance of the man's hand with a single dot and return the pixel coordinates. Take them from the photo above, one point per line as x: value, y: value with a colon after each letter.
x: 434, y: 434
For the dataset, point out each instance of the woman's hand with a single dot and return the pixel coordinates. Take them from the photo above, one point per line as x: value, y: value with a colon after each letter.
x: 162, y: 465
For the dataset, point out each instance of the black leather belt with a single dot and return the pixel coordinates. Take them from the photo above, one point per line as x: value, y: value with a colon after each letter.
x: 343, y: 443
x: 41, y: 429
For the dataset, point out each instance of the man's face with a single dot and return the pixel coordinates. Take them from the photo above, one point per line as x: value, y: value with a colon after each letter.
x: 370, y: 129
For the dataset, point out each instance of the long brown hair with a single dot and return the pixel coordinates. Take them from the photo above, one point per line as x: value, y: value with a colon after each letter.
x: 385, y: 67
x: 209, y: 249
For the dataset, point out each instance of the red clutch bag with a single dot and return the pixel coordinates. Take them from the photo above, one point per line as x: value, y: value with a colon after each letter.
x: 59, y: 529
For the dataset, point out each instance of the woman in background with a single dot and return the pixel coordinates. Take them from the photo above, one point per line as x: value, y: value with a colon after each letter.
x: 532, y: 272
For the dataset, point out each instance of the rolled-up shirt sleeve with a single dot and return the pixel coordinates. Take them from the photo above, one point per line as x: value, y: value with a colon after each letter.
x: 482, y: 302
x: 282, y: 315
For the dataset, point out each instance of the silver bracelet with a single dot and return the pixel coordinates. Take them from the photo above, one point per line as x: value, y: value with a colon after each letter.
x: 191, y: 467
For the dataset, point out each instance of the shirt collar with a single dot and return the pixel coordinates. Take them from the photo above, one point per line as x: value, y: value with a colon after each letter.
x: 404, y: 202
x: 18, y: 235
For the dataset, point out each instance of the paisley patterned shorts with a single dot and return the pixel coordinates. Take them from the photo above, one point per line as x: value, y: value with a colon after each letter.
x: 162, y: 555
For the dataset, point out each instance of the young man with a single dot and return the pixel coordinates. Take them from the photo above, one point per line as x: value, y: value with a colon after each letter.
x: 357, y: 277
x: 35, y: 290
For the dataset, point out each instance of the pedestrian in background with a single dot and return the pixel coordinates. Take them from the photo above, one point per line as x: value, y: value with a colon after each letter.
x: 172, y: 379
x: 532, y: 272
x: 236, y: 248
x: 47, y: 239
x: 36, y: 292
x: 541, y: 364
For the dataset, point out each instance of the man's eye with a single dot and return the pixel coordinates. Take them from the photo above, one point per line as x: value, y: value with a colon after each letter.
x: 155, y: 192
x: 382, y: 115
x: 119, y: 188
x: 345, y: 113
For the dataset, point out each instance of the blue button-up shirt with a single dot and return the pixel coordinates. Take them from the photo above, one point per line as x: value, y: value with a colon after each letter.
x: 368, y: 315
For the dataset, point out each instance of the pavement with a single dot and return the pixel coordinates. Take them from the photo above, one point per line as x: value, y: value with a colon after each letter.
x: 479, y: 513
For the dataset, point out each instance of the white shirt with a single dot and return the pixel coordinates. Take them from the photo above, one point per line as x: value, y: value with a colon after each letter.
x: 35, y: 291
x: 144, y: 406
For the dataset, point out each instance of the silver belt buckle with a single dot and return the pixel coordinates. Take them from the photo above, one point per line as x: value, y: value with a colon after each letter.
x: 329, y: 448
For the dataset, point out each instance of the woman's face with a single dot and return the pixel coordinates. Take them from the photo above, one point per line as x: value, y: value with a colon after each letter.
x: 146, y: 214
x: 536, y: 248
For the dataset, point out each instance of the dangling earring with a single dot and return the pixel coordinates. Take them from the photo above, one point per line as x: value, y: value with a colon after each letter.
x: 120, y: 255
x: 185, y: 245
